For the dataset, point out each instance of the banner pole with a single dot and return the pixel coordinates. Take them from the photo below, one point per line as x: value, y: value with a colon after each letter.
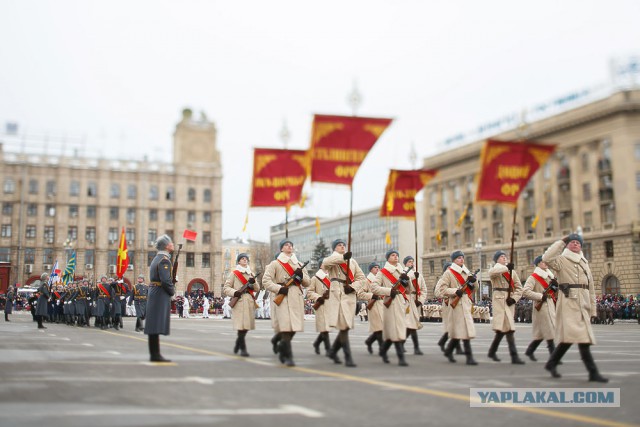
x: 513, y: 240
x: 350, y: 216
x: 286, y: 222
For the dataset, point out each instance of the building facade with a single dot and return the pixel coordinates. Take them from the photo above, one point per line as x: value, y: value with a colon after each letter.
x: 259, y: 255
x: 591, y: 185
x: 54, y: 205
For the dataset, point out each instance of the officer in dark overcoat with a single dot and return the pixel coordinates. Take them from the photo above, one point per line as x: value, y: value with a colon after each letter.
x: 138, y: 297
x: 42, y: 309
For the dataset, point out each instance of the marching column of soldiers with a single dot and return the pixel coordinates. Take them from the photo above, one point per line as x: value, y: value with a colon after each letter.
x: 561, y: 289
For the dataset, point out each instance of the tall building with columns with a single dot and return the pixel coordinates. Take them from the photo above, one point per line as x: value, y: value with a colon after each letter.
x: 54, y: 205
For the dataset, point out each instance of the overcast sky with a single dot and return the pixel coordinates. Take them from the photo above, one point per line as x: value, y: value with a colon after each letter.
x: 118, y: 73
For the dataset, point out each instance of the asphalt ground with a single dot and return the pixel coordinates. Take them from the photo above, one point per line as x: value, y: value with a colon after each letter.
x: 70, y: 376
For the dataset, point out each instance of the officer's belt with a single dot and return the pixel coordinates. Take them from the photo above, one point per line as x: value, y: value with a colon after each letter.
x: 501, y: 289
x: 571, y: 285
x: 155, y: 284
x: 140, y: 298
x: 339, y: 280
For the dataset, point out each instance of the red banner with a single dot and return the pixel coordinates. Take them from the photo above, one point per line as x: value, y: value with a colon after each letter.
x: 278, y: 177
x: 339, y: 144
x: 190, y: 235
x: 123, y: 256
x: 401, y: 190
x: 506, y: 167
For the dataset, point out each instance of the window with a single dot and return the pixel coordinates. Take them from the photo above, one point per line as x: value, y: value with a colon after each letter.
x: 530, y: 256
x: 432, y: 267
x: 112, y: 257
x: 206, y: 217
x: 131, y: 215
x: 456, y: 192
x: 169, y: 233
x: 73, y: 211
x: 153, y: 192
x: 5, y: 255
x: 584, y: 162
x: 191, y: 194
x: 498, y: 229
x: 91, y: 211
x: 30, y: 232
x: 608, y: 213
x: 51, y: 188
x: 468, y: 261
x: 608, y: 248
x: 89, y: 256
x: 6, y: 230
x: 206, y: 260
x: 588, y: 219
x: 485, y: 234
x: 432, y: 221
x: 150, y: 257
x: 33, y: 186
x: 74, y: 188
x: 92, y: 189
x: 483, y: 261
x: 115, y: 191
x: 132, y: 192
x: 586, y: 251
x: 113, y: 212
x: 445, y: 199
x: 32, y: 209
x: 49, y: 234
x: 90, y: 236
x: 169, y: 215
x: 72, y: 232
x: 29, y: 256
x: 548, y: 224
x: 586, y: 191
x: 50, y: 210
x: 153, y: 214
x: 47, y: 256
x: 170, y: 194
x: 130, y: 234
x: 191, y: 259
x: 113, y: 234
x: 637, y: 150
x: 191, y: 216
x: 546, y: 170
x: 206, y: 237
x: 207, y: 195
x: 152, y: 235
x: 565, y: 220
x: 637, y: 180
x: 9, y: 186
x: 7, y: 208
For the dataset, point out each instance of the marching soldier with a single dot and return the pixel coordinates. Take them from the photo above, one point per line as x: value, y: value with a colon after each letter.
x: 542, y: 286
x: 393, y: 282
x: 290, y: 313
x: 241, y: 285
x: 444, y: 310
x: 346, y: 277
x: 82, y: 298
x: 119, y: 292
x: 8, y: 305
x: 459, y: 320
x: 375, y: 309
x: 417, y: 297
x: 507, y: 291
x: 104, y: 302
x: 576, y: 303
x: 138, y: 298
x: 42, y: 309
x: 161, y: 289
x: 318, y: 293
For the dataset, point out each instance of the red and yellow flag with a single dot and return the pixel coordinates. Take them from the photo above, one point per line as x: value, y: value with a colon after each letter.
x: 339, y: 144
x: 506, y: 167
x: 278, y: 177
x: 123, y: 257
x: 401, y: 190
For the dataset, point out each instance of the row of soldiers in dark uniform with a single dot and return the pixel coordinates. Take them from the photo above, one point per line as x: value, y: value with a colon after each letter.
x: 77, y: 302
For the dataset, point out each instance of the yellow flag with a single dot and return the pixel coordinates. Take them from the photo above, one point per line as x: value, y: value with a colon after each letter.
x: 463, y: 216
x: 246, y: 221
x: 438, y: 236
x: 387, y: 238
x: 317, y: 226
x: 534, y: 223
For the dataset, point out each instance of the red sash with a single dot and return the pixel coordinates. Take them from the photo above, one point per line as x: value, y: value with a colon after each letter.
x: 104, y: 291
x: 461, y: 280
x: 327, y: 282
x: 508, y: 278
x: 544, y: 285
x: 416, y: 286
x: 393, y: 280
x: 244, y: 281
x: 344, y: 268
x: 57, y: 294
x: 287, y: 267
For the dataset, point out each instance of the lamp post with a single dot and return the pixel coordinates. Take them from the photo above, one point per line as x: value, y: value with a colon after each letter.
x: 68, y: 248
x: 478, y: 247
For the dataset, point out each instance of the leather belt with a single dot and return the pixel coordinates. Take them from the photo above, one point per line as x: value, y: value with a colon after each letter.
x: 140, y: 298
x: 155, y: 284
x: 571, y: 285
x: 501, y: 289
x: 339, y: 280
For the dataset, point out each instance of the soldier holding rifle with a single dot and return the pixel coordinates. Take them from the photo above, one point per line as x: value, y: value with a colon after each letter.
x: 576, y: 303
x: 392, y: 282
x: 241, y: 286
x: 161, y: 289
x: 346, y: 278
x: 417, y: 296
x: 318, y: 293
x: 542, y: 288
x: 374, y: 307
x: 457, y: 284
x: 507, y: 290
x: 283, y: 278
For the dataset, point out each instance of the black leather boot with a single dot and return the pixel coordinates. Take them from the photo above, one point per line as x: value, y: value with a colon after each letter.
x: 400, y: 353
x: 416, y: 346
x: 236, y: 347
x: 288, y: 357
x: 468, y: 352
x: 154, y: 349
x: 513, y: 350
x: 443, y: 341
x: 243, y: 343
x: 348, y: 359
x: 274, y: 342
x: 551, y: 346
x: 316, y: 343
x: 383, y: 351
x: 551, y: 365
x: 369, y: 342
x: 587, y: 358
x: 494, y: 346
x: 448, y: 353
x: 335, y: 348
x: 531, y: 349
x: 327, y: 343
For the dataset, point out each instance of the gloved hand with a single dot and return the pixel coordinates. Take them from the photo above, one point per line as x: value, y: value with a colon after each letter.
x: 472, y: 279
x: 347, y: 255
x: 511, y: 266
x: 252, y: 280
x: 404, y: 279
x: 459, y: 293
x: 566, y: 240
x: 320, y: 300
x: 298, y: 272
x: 237, y: 294
x: 283, y: 290
x: 393, y: 293
x: 418, y: 303
x: 553, y: 285
x: 348, y: 289
x: 510, y: 301
x: 375, y: 298
x: 176, y: 279
x: 470, y: 286
x: 297, y: 278
x: 544, y: 297
x: 417, y: 275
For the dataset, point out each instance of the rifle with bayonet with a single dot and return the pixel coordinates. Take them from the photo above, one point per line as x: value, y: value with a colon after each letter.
x: 174, y: 271
x: 293, y: 280
x: 243, y: 289
x: 553, y: 286
x: 400, y: 282
x: 467, y: 284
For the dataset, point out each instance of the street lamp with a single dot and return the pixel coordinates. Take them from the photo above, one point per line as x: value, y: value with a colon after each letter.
x: 478, y: 247
x: 68, y: 248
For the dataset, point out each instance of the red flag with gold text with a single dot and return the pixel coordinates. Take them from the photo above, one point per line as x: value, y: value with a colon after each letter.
x: 278, y: 177
x: 401, y: 190
x: 506, y: 167
x: 339, y: 145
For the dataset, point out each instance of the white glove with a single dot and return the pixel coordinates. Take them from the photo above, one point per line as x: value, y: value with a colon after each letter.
x: 177, y: 278
x: 88, y: 298
x: 121, y: 297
